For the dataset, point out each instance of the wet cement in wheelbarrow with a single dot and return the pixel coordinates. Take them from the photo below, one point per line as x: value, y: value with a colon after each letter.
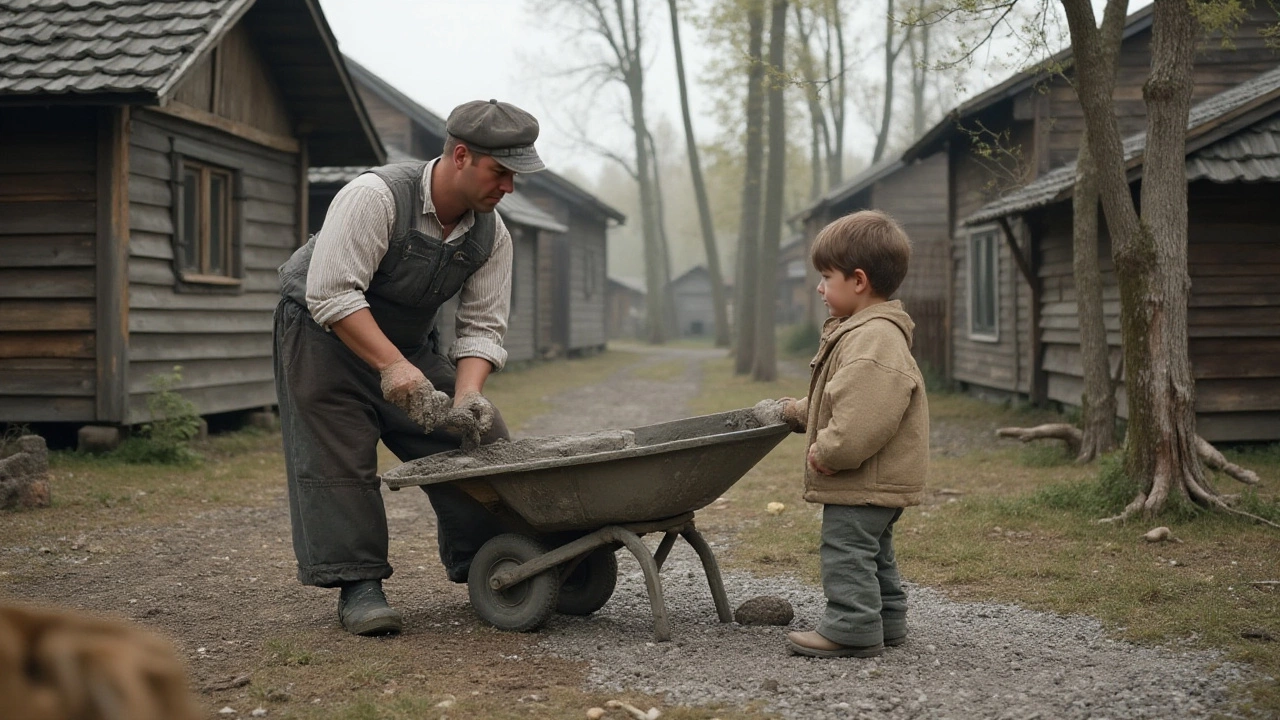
x: 765, y: 412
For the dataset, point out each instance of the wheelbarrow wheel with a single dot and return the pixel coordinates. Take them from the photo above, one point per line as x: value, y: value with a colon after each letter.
x: 591, y: 583
x: 521, y: 607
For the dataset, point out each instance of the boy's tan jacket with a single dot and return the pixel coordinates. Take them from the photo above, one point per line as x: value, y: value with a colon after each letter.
x: 866, y: 412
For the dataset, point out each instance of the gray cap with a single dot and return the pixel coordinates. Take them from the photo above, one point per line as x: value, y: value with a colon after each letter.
x: 500, y: 130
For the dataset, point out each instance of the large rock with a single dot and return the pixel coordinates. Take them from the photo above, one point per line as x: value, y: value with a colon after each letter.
x: 24, y: 474
x: 764, y: 610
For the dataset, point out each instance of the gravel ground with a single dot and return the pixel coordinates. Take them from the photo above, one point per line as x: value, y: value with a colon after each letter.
x: 962, y: 660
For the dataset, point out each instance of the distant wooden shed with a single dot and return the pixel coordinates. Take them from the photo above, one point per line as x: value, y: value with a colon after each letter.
x: 695, y: 313
x: 625, y: 302
x: 153, y: 164
x: 1233, y: 317
x: 915, y: 194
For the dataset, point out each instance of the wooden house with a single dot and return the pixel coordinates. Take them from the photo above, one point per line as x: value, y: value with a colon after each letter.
x: 625, y: 308
x: 153, y: 163
x: 914, y: 193
x: 694, y: 310
x: 572, y: 266
x: 1233, y: 316
x: 796, y: 282
x: 558, y: 274
x: 1031, y: 124
x: 409, y: 132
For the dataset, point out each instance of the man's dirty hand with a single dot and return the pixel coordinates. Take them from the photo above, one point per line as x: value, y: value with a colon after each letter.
x: 479, y: 407
x: 404, y: 386
x: 399, y: 380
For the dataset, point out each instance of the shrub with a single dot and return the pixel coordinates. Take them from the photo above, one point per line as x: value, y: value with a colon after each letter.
x: 166, y: 440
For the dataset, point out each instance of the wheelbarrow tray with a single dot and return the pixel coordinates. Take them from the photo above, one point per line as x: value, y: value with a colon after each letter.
x: 672, y: 468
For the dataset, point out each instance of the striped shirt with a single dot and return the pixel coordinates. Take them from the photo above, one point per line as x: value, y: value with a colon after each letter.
x: 355, y: 237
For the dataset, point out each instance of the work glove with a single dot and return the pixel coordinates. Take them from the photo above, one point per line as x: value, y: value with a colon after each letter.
x: 404, y: 386
x: 472, y: 417
x: 792, y: 416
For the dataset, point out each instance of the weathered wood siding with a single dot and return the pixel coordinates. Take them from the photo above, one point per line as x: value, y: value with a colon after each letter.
x: 1216, y: 69
x: 1059, y: 315
x: 1004, y: 363
x: 916, y: 196
x: 222, y: 341
x: 571, y: 278
x: 233, y: 82
x: 48, y: 221
x: 394, y: 127
x: 1233, y: 315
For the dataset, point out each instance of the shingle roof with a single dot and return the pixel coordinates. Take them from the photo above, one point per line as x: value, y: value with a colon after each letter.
x: 1057, y: 184
x: 104, y: 46
x: 1249, y: 156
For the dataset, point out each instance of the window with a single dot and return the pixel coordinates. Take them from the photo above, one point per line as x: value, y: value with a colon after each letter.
x: 592, y: 275
x: 205, y: 242
x: 795, y: 269
x: 984, y: 286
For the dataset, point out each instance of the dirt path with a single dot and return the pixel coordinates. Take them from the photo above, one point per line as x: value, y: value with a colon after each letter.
x: 222, y: 583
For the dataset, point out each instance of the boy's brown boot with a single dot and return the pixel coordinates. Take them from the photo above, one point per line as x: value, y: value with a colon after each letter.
x: 811, y: 644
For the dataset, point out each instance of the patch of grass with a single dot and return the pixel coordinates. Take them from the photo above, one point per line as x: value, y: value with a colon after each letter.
x: 1018, y: 524
x: 670, y: 370
x: 287, y: 653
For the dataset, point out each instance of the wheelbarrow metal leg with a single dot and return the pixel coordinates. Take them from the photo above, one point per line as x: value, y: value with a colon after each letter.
x: 661, y: 624
x: 664, y: 547
x: 568, y: 551
x: 700, y: 545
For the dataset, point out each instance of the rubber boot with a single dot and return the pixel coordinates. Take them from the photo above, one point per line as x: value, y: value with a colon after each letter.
x: 363, y: 610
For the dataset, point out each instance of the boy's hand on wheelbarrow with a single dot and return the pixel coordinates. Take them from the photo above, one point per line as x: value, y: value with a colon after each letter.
x: 793, y: 414
x: 404, y: 386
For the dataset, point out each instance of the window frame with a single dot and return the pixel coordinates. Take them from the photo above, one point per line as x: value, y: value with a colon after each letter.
x: 208, y: 161
x: 990, y: 234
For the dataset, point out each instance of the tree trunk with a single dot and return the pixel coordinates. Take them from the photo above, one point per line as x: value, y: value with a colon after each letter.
x: 749, y: 226
x: 664, y: 244
x: 718, y: 300
x: 1098, y: 401
x: 890, y: 60
x: 919, y: 73
x: 818, y: 136
x: 766, y: 360
x: 1150, y: 252
x: 836, y: 99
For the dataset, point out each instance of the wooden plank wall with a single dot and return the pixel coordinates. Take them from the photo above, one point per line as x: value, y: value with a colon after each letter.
x: 48, y: 192
x: 553, y: 258
x: 917, y: 197
x: 222, y: 341
x: 586, y: 282
x: 1059, y: 316
x: 1003, y: 364
x: 233, y: 82
x: 1216, y: 69
x: 1233, y: 315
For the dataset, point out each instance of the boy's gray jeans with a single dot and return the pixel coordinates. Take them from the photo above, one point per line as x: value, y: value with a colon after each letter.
x: 865, y: 599
x: 332, y: 415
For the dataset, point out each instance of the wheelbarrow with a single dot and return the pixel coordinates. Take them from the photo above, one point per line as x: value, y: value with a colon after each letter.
x: 571, y: 512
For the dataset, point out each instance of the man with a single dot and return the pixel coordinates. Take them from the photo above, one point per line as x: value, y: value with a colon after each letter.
x: 357, y: 359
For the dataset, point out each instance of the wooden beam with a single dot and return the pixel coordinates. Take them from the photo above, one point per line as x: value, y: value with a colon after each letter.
x: 193, y: 114
x: 111, y: 320
x: 1023, y: 266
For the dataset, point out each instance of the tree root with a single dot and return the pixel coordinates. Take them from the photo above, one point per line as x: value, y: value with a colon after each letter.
x: 1069, y: 434
x: 1214, y: 460
x: 1073, y: 437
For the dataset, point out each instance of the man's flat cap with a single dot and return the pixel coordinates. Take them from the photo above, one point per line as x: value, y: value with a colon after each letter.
x: 500, y: 130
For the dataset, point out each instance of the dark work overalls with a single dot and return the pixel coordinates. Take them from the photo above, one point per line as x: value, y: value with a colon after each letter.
x: 333, y: 414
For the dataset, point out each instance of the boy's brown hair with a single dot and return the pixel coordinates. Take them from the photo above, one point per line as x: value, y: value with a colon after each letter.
x: 869, y: 240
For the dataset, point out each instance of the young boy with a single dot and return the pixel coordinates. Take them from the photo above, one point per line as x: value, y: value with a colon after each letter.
x: 868, y: 435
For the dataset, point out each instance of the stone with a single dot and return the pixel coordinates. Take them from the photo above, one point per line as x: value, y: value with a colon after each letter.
x: 264, y: 419
x: 764, y: 610
x: 24, y: 474
x: 98, y: 438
